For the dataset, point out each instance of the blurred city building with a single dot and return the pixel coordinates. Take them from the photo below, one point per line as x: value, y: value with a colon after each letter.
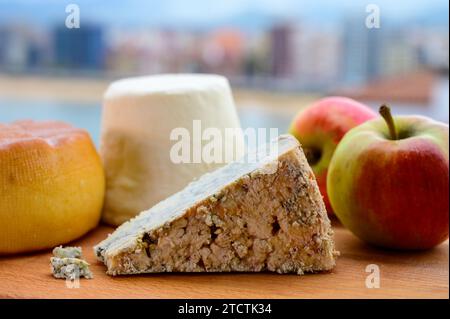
x: 282, y: 49
x: 279, y: 56
x: 82, y: 48
x: 362, y: 55
x: 253, y: 50
x: 23, y: 48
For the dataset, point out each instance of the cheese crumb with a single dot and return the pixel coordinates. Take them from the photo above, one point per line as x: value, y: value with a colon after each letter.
x: 66, y: 263
x: 67, y: 252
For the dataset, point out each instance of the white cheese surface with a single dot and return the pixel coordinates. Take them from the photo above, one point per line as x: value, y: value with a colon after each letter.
x: 138, y: 116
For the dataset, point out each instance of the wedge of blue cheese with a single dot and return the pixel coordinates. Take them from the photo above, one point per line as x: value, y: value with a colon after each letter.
x: 66, y: 263
x: 264, y: 214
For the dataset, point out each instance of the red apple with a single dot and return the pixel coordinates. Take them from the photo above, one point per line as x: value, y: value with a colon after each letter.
x: 388, y: 181
x: 321, y: 126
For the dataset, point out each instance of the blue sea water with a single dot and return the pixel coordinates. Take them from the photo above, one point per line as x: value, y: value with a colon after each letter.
x: 81, y: 115
x: 88, y: 116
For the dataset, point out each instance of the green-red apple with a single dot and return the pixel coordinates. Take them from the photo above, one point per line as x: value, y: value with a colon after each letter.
x: 321, y: 126
x: 388, y: 181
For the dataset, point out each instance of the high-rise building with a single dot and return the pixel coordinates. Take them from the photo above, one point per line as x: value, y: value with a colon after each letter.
x: 400, y: 55
x: 281, y: 48
x: 79, y: 47
x: 22, y: 47
x: 362, y: 56
x: 317, y: 55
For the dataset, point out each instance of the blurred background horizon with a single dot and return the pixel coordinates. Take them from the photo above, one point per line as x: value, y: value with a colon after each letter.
x: 278, y: 55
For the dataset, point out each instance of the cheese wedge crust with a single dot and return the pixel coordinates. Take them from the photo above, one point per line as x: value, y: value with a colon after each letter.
x: 248, y: 216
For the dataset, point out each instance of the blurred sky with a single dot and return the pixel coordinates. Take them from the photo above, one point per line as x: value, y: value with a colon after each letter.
x: 246, y: 14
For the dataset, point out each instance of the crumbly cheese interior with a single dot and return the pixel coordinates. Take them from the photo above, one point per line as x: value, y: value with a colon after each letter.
x: 67, y: 252
x: 70, y: 268
x: 242, y: 217
x: 66, y: 263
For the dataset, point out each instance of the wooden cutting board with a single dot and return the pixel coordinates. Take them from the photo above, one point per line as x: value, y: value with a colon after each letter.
x: 402, y: 275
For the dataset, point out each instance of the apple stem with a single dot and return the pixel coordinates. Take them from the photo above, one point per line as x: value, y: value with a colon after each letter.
x: 385, y: 112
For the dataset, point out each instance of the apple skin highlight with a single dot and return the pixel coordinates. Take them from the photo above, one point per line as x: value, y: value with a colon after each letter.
x: 393, y: 193
x: 321, y: 126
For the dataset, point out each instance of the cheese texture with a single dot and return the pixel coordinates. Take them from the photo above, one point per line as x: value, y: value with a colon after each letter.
x: 261, y: 215
x: 51, y: 185
x: 139, y: 115
x: 70, y: 268
x: 66, y: 263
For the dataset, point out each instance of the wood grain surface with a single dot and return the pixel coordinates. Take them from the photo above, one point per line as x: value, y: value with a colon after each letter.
x: 403, y: 275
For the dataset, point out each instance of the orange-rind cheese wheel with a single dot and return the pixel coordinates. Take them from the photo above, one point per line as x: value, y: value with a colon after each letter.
x: 51, y: 185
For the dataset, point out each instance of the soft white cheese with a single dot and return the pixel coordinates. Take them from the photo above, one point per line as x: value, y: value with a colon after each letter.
x: 138, y: 117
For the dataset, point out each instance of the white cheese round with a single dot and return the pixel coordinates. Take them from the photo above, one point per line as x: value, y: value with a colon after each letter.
x: 139, y: 115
